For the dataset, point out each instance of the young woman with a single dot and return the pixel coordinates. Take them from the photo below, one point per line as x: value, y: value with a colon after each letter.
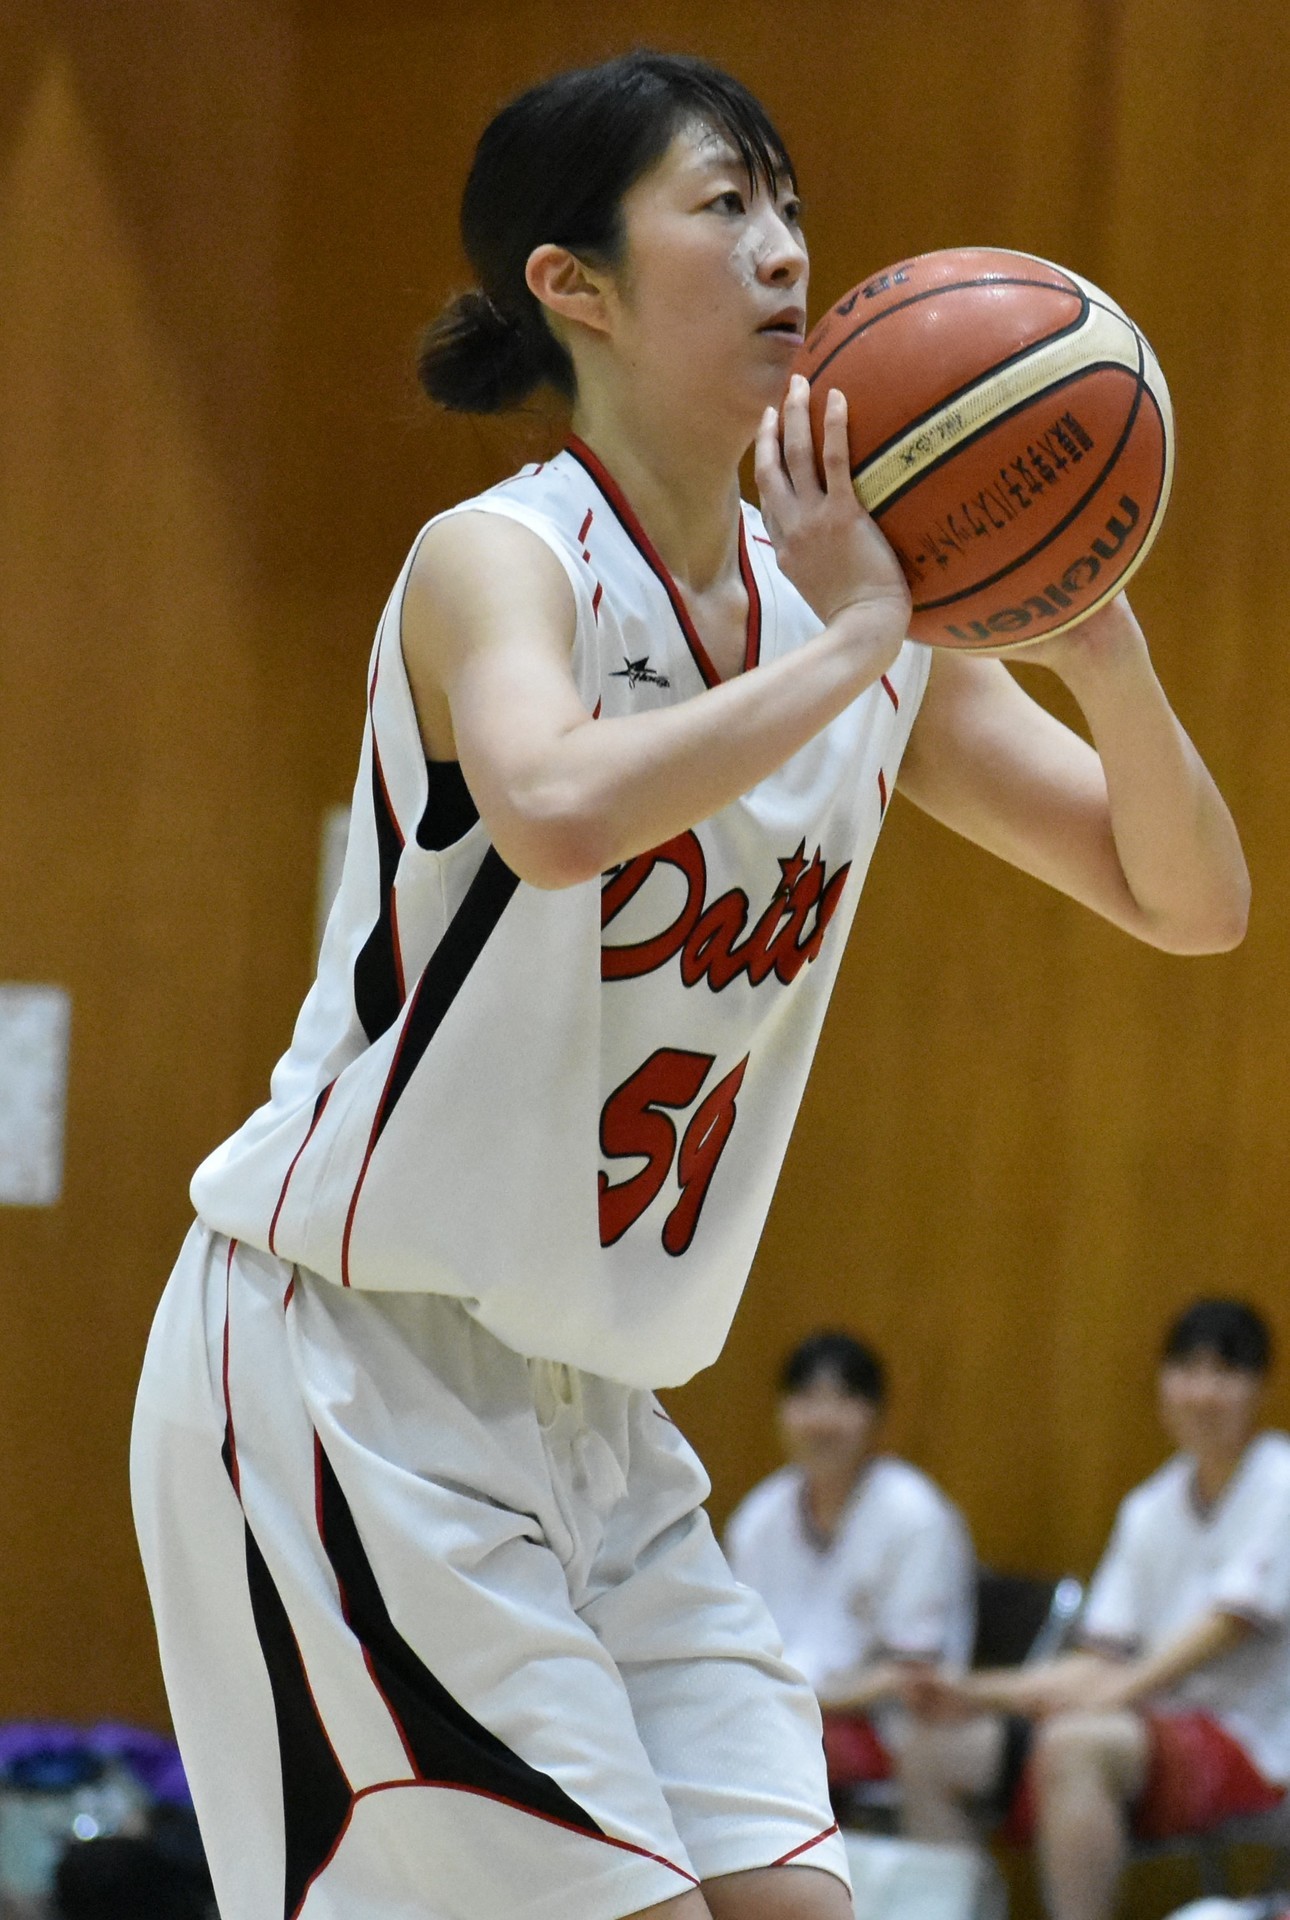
x: 1172, y: 1715
x: 867, y: 1568
x: 442, y: 1620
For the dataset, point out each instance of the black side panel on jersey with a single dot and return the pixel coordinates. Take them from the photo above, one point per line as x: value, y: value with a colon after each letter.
x: 316, y: 1797
x: 378, y: 993
x: 446, y: 972
x: 450, y: 808
x: 445, y: 1742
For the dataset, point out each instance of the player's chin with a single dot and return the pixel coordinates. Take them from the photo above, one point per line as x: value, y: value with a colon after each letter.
x: 775, y: 354
x: 765, y: 376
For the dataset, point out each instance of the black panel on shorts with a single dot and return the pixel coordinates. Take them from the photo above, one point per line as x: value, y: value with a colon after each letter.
x: 316, y: 1797
x: 446, y: 1743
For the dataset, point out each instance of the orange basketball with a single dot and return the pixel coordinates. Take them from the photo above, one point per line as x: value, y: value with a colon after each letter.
x: 1010, y: 431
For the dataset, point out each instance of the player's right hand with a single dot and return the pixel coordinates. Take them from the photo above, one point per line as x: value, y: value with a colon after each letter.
x: 825, y: 542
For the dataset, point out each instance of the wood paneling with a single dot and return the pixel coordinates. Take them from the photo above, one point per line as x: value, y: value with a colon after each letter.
x: 136, y: 716
x: 1027, y: 1140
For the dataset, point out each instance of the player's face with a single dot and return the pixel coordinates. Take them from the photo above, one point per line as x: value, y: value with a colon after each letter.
x: 711, y: 297
x: 1207, y: 1407
x: 827, y: 1429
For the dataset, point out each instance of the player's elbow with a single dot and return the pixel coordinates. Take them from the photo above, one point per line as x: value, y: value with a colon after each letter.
x: 1230, y: 931
x: 1216, y: 927
x: 553, y: 840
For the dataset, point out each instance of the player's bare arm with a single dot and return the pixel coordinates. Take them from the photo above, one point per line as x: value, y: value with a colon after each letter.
x: 488, y: 633
x: 1207, y: 1639
x: 1022, y: 1690
x: 1132, y: 826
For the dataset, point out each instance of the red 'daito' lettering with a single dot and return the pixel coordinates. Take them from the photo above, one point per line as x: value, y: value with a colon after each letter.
x: 644, y: 956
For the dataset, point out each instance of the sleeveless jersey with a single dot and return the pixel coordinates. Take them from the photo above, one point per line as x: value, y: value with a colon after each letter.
x: 568, y: 1108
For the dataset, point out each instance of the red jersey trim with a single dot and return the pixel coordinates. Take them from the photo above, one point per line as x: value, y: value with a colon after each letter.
x: 752, y: 633
x: 636, y: 533
x: 319, y: 1104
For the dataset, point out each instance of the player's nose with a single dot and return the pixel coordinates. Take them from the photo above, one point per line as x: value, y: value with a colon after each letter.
x: 782, y: 259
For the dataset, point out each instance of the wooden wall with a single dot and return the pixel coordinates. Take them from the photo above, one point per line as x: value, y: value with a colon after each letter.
x: 1027, y: 1141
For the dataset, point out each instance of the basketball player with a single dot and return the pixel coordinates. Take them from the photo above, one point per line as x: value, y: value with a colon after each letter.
x: 1175, y: 1714
x: 866, y: 1567
x: 442, y: 1620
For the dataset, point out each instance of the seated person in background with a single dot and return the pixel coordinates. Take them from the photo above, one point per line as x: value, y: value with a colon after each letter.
x: 864, y: 1564
x: 1175, y: 1713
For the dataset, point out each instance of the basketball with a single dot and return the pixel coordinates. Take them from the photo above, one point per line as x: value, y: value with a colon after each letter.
x: 1010, y: 432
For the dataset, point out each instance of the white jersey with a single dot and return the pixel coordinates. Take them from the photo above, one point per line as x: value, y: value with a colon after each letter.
x: 897, y: 1579
x: 568, y: 1108
x: 1169, y: 1563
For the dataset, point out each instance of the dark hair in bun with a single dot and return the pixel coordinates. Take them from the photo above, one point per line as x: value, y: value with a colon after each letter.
x: 552, y: 167
x: 476, y: 359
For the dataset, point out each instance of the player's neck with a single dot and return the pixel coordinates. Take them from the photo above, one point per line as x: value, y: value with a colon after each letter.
x: 682, y: 487
x: 1213, y: 1472
x: 826, y: 1496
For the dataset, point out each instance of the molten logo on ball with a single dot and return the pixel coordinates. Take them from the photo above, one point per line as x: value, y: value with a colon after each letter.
x: 1054, y: 600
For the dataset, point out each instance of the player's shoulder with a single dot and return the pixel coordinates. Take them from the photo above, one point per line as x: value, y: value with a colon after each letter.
x: 770, y: 1503
x: 1268, y: 1460
x: 904, y: 1490
x: 546, y: 494
x: 510, y: 540
x: 1165, y: 1492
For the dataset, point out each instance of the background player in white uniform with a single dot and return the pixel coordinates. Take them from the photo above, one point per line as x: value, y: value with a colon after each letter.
x: 442, y: 1621
x: 866, y: 1567
x: 1176, y: 1715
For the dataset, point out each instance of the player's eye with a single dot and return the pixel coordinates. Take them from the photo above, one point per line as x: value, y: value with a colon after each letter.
x: 791, y: 210
x: 731, y: 201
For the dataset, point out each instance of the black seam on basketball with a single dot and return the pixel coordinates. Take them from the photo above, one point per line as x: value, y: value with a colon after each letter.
x: 991, y: 580
x: 930, y: 293
x: 987, y: 373
x: 1022, y: 559
x: 997, y: 420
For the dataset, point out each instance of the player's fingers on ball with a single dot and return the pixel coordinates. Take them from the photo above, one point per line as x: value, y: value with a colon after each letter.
x: 836, y: 454
x: 766, y: 457
x: 768, y: 466
x: 799, y: 451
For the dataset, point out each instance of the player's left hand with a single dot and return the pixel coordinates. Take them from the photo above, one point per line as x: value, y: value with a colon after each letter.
x: 1109, y: 635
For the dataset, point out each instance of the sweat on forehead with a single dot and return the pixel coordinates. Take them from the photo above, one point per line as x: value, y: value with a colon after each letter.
x: 716, y: 143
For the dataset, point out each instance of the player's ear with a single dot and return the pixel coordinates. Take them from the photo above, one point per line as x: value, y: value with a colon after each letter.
x: 567, y: 287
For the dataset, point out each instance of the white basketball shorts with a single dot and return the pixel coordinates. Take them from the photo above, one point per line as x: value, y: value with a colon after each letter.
x: 445, y: 1631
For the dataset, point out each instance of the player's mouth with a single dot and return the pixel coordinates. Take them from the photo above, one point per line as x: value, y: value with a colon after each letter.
x: 789, y: 325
